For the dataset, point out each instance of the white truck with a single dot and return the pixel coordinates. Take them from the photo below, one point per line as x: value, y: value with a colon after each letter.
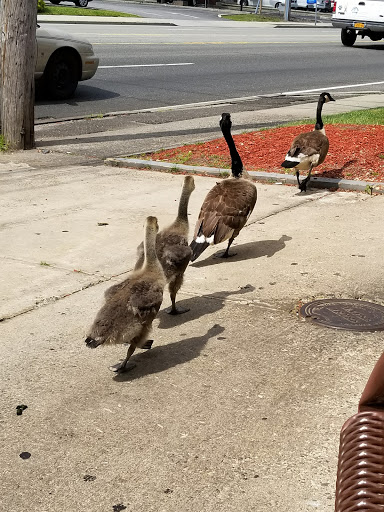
x: 359, y: 17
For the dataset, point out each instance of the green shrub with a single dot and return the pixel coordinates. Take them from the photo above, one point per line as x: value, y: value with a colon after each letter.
x: 40, y: 6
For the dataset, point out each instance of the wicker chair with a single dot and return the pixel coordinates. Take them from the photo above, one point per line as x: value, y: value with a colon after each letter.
x: 360, y: 474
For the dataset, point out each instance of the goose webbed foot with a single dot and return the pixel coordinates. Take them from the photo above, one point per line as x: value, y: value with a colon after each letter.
x: 147, y: 345
x: 173, y: 310
x: 125, y: 366
x: 303, y: 184
x: 225, y: 254
x: 122, y: 367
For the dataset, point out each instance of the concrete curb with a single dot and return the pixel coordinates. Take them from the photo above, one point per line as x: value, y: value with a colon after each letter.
x: 101, y: 20
x: 270, y: 177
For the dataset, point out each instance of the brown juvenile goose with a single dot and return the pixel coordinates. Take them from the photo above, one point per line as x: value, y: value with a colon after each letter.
x: 309, y: 149
x: 228, y: 204
x: 131, y: 306
x: 172, y: 247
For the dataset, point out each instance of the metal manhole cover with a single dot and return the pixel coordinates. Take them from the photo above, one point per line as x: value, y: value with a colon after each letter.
x: 353, y: 315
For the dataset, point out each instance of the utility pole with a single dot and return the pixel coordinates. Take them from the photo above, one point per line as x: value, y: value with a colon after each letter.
x: 287, y: 10
x: 17, y: 67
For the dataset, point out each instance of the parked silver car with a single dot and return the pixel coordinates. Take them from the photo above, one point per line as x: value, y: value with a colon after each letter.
x: 62, y: 61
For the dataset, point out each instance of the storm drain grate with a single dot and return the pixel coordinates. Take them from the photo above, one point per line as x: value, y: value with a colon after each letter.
x: 350, y: 314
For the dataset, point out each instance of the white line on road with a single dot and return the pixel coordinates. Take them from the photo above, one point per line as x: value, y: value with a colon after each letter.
x: 147, y: 65
x: 187, y: 15
x: 288, y: 93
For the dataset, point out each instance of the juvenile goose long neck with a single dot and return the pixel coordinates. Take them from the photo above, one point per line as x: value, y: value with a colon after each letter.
x: 319, y: 126
x: 182, y: 213
x: 150, y: 232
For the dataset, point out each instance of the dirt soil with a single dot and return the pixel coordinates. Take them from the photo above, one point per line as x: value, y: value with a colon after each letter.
x: 356, y: 152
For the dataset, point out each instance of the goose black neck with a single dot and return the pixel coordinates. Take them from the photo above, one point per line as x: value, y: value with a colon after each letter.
x: 236, y: 163
x: 319, y: 122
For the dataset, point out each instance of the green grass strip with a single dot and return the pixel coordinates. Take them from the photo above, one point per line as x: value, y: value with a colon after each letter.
x: 368, y: 116
x: 78, y: 11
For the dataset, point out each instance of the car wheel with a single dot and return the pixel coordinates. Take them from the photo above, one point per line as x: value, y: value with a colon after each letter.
x: 81, y: 3
x: 61, y: 75
x: 55, y: 2
x: 348, y: 37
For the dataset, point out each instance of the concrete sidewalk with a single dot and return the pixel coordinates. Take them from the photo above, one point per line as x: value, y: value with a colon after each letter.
x: 239, y: 404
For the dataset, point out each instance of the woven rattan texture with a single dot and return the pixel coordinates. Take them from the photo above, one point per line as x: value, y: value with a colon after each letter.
x: 360, y: 475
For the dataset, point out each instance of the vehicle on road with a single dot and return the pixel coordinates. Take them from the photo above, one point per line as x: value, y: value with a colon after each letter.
x: 321, y: 5
x: 62, y: 61
x: 359, y: 17
x: 269, y: 3
x: 78, y: 3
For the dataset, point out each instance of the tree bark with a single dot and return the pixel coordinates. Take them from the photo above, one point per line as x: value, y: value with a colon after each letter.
x: 17, y: 67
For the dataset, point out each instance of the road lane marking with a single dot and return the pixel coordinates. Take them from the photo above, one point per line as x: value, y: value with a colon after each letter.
x: 289, y: 93
x: 187, y: 15
x: 218, y: 42
x: 147, y: 65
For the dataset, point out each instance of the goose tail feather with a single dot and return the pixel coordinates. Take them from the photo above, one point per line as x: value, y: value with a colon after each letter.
x: 91, y: 343
x: 197, y: 249
x: 288, y: 164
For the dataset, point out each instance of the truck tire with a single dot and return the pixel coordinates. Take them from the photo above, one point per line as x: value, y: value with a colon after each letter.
x: 55, y: 2
x: 348, y: 36
x: 81, y: 3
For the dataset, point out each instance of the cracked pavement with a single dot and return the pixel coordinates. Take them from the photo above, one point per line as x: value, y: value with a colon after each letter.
x: 238, y: 405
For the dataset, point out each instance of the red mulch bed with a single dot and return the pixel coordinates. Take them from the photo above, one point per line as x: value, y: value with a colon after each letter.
x: 356, y: 152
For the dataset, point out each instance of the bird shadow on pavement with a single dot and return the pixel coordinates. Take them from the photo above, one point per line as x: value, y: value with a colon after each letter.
x: 161, y: 358
x: 199, y: 306
x: 247, y: 251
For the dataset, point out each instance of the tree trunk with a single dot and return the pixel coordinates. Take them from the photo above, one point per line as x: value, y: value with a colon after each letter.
x: 17, y: 67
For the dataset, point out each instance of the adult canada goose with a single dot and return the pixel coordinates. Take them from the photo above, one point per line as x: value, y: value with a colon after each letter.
x: 131, y: 306
x: 228, y: 204
x: 172, y: 247
x: 309, y: 149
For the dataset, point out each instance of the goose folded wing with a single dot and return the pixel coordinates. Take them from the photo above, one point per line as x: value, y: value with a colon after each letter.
x: 307, y: 145
x: 145, y: 300
x: 226, y: 209
x: 177, y: 257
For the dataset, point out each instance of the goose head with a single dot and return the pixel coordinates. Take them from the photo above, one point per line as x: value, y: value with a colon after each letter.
x: 151, y: 224
x: 189, y: 184
x: 325, y: 97
x: 225, y: 122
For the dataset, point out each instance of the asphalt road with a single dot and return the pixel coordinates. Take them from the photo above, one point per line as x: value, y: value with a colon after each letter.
x: 146, y: 67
